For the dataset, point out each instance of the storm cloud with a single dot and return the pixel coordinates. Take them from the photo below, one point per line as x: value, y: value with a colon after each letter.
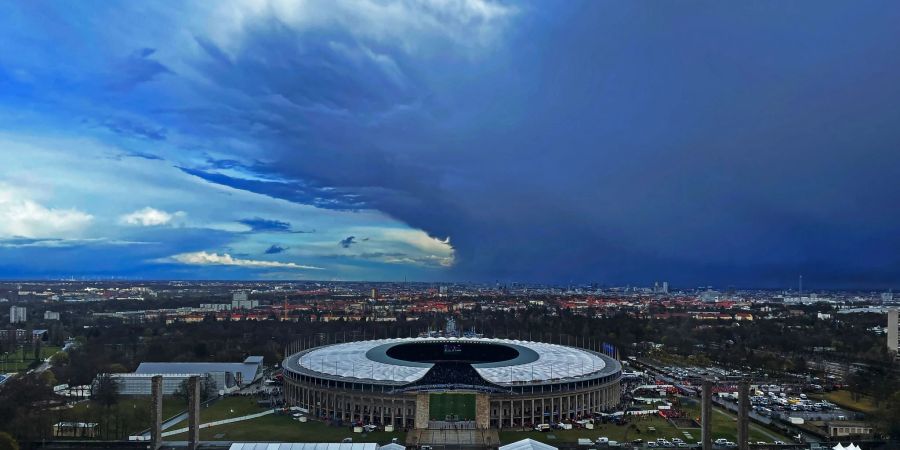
x: 739, y: 144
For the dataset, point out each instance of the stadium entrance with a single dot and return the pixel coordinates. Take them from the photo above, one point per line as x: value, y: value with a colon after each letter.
x: 451, y: 407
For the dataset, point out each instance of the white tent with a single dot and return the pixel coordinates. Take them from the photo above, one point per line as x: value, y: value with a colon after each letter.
x: 840, y: 446
x: 392, y: 446
x: 527, y: 444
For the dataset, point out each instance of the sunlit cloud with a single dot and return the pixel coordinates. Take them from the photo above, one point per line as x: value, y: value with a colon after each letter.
x: 150, y: 217
x: 224, y: 259
x: 27, y: 218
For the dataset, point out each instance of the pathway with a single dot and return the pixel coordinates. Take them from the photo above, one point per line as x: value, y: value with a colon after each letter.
x: 219, y: 422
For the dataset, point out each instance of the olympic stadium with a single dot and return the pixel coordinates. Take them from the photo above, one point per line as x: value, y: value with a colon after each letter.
x: 469, y: 381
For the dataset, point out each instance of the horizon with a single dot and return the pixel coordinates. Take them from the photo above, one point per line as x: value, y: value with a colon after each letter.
x: 495, y: 283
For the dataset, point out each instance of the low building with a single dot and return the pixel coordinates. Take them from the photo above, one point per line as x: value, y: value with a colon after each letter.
x: 844, y: 429
x: 76, y: 429
x: 227, y: 377
x: 51, y: 315
x: 22, y: 336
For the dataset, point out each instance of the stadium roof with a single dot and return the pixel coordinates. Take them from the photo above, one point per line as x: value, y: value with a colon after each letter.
x: 248, y: 369
x: 366, y: 360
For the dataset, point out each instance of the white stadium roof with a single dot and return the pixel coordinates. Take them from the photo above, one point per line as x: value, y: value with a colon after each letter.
x: 352, y: 360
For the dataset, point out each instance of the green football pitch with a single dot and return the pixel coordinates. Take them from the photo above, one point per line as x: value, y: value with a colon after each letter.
x: 451, y: 406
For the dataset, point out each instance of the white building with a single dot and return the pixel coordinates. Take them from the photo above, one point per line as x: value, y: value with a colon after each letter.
x: 51, y: 315
x: 18, y: 314
x: 241, y: 300
x: 227, y: 377
x: 215, y: 306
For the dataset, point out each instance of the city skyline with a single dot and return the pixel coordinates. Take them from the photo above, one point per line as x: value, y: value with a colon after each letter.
x: 537, y: 142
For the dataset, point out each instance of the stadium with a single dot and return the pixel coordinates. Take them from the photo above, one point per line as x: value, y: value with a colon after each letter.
x: 467, y: 382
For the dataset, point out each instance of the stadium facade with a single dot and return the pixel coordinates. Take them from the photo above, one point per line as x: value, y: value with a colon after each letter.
x: 399, y: 382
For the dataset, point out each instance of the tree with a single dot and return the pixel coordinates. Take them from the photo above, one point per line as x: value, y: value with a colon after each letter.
x: 37, y: 350
x: 106, y: 391
x: 7, y: 442
x: 59, y: 359
x: 49, y: 378
x: 208, y: 389
x: 887, y: 418
x: 21, y: 412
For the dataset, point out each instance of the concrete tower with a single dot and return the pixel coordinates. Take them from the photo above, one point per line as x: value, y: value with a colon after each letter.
x: 706, y: 415
x: 892, y: 332
x: 743, y: 422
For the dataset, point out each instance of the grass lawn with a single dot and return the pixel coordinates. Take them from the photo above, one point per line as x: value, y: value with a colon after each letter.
x: 284, y: 429
x: 724, y: 425
x: 845, y: 399
x: 442, y: 405
x: 132, y: 411
x: 225, y: 408
x: 13, y: 362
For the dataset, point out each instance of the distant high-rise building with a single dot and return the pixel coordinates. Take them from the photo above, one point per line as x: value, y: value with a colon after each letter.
x: 661, y: 288
x: 51, y: 315
x: 374, y: 293
x: 442, y: 290
x: 241, y: 300
x: 887, y: 297
x: 710, y: 296
x: 18, y: 314
x: 893, y: 342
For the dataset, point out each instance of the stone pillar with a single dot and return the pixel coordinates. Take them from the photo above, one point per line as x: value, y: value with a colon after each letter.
x: 743, y: 415
x: 533, y: 416
x: 193, y: 412
x: 482, y: 412
x: 404, y: 413
x: 423, y: 402
x: 706, y: 415
x: 522, y: 422
x: 156, y: 399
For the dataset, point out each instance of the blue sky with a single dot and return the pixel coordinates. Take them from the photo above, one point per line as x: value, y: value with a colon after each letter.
x: 724, y: 143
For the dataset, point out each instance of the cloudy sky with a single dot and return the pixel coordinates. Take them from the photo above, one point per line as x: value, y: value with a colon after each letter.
x: 702, y: 142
